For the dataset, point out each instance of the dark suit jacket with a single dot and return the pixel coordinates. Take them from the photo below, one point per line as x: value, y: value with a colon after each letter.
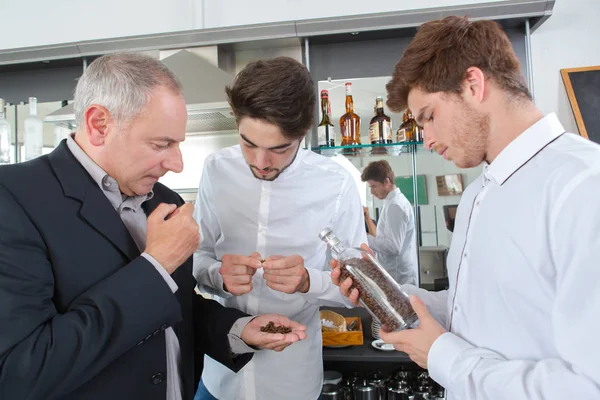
x: 82, y: 314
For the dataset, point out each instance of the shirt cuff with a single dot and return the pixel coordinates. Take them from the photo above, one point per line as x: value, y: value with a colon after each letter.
x: 442, y: 356
x: 163, y: 272
x: 316, y: 283
x: 236, y: 344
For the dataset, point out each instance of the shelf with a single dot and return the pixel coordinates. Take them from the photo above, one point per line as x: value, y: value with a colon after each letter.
x: 362, y: 150
x: 365, y: 353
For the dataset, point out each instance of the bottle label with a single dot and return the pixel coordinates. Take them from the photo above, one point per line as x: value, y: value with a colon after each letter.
x: 387, y: 131
x: 326, y: 135
x: 401, y: 135
x: 374, y: 132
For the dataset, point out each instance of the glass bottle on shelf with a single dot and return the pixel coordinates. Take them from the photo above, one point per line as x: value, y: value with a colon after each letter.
x: 4, y: 135
x: 350, y: 122
x: 409, y: 127
x: 378, y: 291
x: 380, y: 128
x: 401, y: 132
x: 326, y: 133
x: 34, y: 132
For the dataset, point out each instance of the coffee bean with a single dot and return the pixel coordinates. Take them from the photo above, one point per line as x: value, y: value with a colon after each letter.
x: 271, y: 328
x: 383, y: 298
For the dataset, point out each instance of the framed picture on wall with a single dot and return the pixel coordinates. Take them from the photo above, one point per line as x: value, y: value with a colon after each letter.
x: 449, y: 185
x: 583, y: 89
x: 450, y: 215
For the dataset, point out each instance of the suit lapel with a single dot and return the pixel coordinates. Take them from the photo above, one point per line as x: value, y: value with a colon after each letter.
x: 95, y: 209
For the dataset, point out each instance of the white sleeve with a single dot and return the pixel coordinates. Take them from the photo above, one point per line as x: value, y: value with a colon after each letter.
x: 436, y: 302
x: 572, y: 372
x: 349, y: 227
x: 206, y: 265
x: 391, y: 239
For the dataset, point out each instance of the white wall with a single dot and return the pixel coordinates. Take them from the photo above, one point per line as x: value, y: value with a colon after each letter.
x: 568, y: 39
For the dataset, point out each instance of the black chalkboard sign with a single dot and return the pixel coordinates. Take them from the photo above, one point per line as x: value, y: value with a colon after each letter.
x: 583, y: 89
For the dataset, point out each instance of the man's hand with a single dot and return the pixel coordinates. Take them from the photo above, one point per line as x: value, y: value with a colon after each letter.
x: 345, y: 286
x: 172, y: 235
x: 416, y: 342
x: 237, y: 272
x: 286, y: 274
x: 252, y: 335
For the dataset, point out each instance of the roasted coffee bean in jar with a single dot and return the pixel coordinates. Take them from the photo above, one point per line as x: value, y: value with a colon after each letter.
x: 378, y: 291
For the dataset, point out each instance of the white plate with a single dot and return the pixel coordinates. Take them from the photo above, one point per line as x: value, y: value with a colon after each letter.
x: 380, y: 345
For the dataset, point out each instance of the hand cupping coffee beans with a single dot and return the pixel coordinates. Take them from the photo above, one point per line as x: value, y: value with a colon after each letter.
x: 271, y: 328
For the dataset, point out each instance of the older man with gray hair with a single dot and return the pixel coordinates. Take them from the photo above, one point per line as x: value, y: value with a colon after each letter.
x: 96, y: 280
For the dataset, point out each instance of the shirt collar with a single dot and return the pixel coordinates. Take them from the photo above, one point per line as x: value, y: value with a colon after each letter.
x: 524, y: 148
x: 105, y: 182
x: 391, y: 195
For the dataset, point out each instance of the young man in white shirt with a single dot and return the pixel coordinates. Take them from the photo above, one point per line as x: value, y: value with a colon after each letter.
x: 393, y: 238
x: 260, y: 207
x: 520, y: 320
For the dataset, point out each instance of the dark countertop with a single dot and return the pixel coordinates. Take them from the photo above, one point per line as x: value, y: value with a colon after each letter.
x: 366, y: 352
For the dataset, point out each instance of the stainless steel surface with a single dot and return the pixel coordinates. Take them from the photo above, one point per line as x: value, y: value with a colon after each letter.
x: 416, y: 210
x: 537, y: 10
x: 365, y: 392
x: 330, y: 392
x: 204, y: 91
x: 529, y: 58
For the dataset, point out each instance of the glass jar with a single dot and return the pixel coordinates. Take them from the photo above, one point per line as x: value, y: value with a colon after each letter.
x: 378, y: 292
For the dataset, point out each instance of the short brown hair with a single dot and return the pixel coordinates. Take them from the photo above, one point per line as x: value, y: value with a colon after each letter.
x: 438, y: 57
x: 378, y: 171
x: 279, y: 91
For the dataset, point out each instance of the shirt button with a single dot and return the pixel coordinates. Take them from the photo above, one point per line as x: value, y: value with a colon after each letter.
x: 456, y: 308
x: 466, y: 254
x: 157, y: 379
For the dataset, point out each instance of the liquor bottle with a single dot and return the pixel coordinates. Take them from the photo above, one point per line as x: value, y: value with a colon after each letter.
x: 380, y: 128
x: 4, y: 136
x: 409, y: 127
x: 381, y: 295
x: 350, y: 122
x: 419, y: 134
x: 401, y: 132
x: 325, y: 129
x: 34, y: 132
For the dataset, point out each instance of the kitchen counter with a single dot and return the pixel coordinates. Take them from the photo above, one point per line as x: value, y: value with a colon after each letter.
x: 366, y: 352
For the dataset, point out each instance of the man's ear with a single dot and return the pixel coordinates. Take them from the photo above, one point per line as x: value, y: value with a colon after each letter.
x: 97, y: 120
x: 475, y: 85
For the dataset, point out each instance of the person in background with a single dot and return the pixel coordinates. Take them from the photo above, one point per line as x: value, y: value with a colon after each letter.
x: 96, y: 280
x: 393, y: 238
x: 261, y: 206
x: 520, y: 319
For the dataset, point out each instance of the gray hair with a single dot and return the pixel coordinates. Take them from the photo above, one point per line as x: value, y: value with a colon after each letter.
x: 123, y: 83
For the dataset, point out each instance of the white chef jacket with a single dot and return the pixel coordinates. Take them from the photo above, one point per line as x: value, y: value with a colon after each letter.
x: 239, y: 214
x: 524, y: 300
x: 395, y: 244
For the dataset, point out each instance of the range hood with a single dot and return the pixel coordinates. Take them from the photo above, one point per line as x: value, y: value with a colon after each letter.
x: 204, y: 91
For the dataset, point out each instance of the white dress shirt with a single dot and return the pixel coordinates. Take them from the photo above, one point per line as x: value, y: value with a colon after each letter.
x: 524, y: 301
x: 240, y: 214
x: 395, y: 244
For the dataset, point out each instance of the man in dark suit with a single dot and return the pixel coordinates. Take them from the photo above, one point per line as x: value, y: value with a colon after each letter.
x: 96, y: 288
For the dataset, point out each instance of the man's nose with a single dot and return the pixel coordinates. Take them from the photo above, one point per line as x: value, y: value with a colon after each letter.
x: 174, y: 162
